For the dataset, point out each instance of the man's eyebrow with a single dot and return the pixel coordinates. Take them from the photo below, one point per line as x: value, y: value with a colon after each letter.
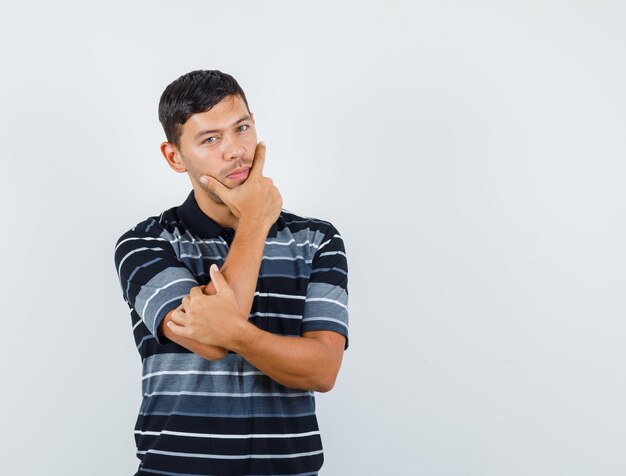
x: 212, y: 131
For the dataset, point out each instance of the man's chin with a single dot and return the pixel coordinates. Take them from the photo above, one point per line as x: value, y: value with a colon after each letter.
x: 234, y: 183
x: 216, y: 199
x: 212, y: 196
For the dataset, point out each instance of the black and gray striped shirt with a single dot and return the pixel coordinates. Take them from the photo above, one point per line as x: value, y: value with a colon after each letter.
x: 201, y: 417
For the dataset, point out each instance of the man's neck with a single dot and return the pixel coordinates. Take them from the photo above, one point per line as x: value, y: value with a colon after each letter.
x: 220, y: 214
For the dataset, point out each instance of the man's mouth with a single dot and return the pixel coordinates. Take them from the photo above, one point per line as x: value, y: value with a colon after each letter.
x: 239, y: 173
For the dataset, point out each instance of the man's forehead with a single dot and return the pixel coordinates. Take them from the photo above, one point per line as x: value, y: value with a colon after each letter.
x: 227, y: 108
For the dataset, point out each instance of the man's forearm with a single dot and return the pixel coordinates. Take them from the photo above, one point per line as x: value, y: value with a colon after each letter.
x: 310, y: 362
x: 241, y: 267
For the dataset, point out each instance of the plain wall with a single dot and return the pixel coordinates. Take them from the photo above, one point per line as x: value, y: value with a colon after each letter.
x: 470, y: 153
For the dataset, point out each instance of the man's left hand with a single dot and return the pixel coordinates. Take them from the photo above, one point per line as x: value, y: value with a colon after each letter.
x: 211, y: 320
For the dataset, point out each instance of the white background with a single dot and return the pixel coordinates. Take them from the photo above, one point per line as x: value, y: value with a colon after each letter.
x: 470, y: 153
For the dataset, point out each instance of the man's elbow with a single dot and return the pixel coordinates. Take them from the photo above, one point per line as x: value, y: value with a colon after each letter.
x: 325, y: 383
x: 325, y: 370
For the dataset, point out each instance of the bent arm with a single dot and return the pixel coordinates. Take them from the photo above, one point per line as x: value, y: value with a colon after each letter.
x: 241, y: 270
x: 310, y: 362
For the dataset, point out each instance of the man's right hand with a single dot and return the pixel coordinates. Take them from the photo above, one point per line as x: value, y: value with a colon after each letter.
x: 256, y: 200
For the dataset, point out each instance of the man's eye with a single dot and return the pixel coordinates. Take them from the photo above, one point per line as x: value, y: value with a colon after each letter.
x: 209, y: 140
x: 242, y: 127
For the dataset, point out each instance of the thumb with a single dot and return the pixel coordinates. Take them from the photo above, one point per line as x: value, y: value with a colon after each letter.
x: 259, y: 160
x: 221, y: 286
x: 215, y: 186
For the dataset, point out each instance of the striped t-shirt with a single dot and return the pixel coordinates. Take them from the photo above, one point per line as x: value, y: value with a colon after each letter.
x: 225, y: 417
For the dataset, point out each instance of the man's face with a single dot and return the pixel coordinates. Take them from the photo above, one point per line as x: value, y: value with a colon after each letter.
x: 221, y: 143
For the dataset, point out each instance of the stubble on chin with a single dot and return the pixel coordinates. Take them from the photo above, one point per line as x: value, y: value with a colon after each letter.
x: 212, y: 195
x: 225, y: 174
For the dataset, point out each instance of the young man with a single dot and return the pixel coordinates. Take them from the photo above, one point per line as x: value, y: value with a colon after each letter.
x: 239, y: 308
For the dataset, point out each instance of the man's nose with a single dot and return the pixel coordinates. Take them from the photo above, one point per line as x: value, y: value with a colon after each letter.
x: 233, y: 148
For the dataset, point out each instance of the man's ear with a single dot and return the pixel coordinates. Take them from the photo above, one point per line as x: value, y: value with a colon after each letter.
x: 170, y: 152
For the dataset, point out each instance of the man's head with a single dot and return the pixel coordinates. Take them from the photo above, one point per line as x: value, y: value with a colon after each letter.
x: 192, y: 93
x: 209, y: 129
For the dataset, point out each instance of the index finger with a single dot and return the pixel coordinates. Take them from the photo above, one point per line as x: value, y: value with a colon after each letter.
x: 259, y: 160
x: 196, y: 291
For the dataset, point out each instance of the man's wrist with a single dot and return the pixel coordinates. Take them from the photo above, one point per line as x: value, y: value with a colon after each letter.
x: 254, y: 225
x: 243, y: 334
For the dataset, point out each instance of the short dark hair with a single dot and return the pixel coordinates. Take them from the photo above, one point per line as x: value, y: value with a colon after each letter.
x: 192, y: 93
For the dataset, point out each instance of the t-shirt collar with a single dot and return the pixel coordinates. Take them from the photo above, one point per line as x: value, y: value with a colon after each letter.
x: 202, y: 225
x: 196, y: 220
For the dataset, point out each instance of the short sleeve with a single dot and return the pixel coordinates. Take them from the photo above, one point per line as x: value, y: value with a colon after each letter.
x: 153, y: 280
x: 326, y: 305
